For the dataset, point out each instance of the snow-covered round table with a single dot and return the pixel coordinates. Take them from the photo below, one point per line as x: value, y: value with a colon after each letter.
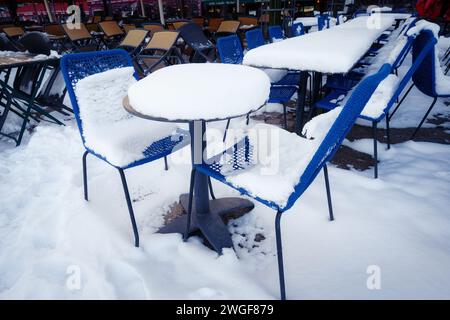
x: 196, y: 94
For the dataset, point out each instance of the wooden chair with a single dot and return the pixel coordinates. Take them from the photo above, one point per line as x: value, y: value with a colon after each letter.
x: 80, y: 38
x: 153, y: 27
x: 228, y: 27
x: 248, y: 21
x: 200, y: 21
x: 54, y: 29
x: 178, y: 24
x: 128, y: 27
x: 213, y: 24
x: 133, y: 41
x: 92, y: 27
x: 14, y: 32
x: 160, y: 51
x: 112, y: 33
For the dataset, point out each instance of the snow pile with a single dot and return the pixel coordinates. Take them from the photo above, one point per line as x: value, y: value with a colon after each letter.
x: 107, y: 128
x: 307, y: 21
x: 200, y: 91
x: 281, y: 158
x: 333, y: 50
x: 381, y: 97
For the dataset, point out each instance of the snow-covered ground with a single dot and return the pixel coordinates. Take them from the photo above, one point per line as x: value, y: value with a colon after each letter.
x: 49, y: 235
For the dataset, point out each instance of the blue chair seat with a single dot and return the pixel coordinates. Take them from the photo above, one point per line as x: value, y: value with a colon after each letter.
x: 331, y: 100
x: 281, y: 94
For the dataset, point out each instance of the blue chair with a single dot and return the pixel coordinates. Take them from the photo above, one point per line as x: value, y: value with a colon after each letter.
x: 323, y: 22
x: 276, y: 33
x: 424, y: 77
x: 418, y: 60
x: 76, y: 67
x: 297, y: 29
x: 229, y: 166
x: 255, y: 38
x: 230, y: 51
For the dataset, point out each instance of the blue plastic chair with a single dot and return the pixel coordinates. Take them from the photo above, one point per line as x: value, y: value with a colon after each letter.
x: 255, y: 38
x: 297, y: 29
x: 419, y: 57
x: 323, y: 22
x: 276, y: 33
x: 424, y: 77
x: 240, y: 156
x: 230, y: 51
x: 78, y: 66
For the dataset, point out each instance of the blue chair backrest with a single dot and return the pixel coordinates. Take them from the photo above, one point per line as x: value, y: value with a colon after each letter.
x: 255, y: 38
x: 341, y: 126
x: 425, y: 76
x: 77, y: 66
x: 321, y: 21
x: 276, y: 33
x: 297, y: 29
x: 230, y: 49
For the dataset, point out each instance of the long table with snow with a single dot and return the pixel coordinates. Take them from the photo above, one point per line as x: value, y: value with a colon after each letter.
x: 333, y: 51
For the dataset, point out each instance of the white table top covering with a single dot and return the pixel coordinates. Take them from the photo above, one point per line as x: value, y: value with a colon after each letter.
x: 307, y: 21
x: 333, y: 50
x: 200, y: 91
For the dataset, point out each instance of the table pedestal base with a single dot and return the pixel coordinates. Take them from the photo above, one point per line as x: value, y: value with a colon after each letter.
x: 211, y: 224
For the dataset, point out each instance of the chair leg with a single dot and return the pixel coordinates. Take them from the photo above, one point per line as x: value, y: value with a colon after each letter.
x: 388, y: 132
x: 280, y: 255
x: 375, y: 151
x: 166, y: 165
x: 327, y: 185
x: 424, y: 118
x: 285, y: 116
x: 85, y: 184
x: 211, y: 192
x: 130, y: 207
x: 189, y: 213
x: 226, y: 129
x: 401, y: 100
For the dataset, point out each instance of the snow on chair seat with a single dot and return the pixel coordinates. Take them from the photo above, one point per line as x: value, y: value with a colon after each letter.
x: 300, y: 159
x: 108, y: 128
x: 97, y: 83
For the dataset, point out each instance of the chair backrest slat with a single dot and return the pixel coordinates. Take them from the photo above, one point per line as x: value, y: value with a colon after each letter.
x: 134, y: 38
x: 163, y: 40
x: 13, y: 32
x: 425, y: 76
x: 75, y: 34
x: 230, y: 49
x: 111, y: 28
x: 228, y: 26
x: 255, y: 38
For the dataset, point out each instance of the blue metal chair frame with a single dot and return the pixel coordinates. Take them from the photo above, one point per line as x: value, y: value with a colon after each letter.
x: 241, y: 155
x: 422, y: 51
x: 230, y: 51
x: 78, y: 66
x: 276, y: 33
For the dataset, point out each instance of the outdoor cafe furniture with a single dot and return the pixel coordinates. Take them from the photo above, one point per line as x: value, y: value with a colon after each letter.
x: 239, y: 166
x: 153, y: 27
x: 97, y: 83
x: 80, y: 38
x: 133, y: 41
x: 21, y: 97
x: 330, y: 51
x: 203, y: 50
x: 159, y: 52
x: 236, y: 91
x: 112, y: 33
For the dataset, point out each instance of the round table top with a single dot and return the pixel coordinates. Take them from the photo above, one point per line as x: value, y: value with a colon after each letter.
x: 198, y: 91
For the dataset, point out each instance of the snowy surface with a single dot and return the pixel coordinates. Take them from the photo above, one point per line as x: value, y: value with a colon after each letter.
x: 383, y: 222
x: 307, y: 21
x: 381, y: 97
x: 200, y: 91
x: 333, y: 50
x: 108, y: 129
x: 297, y: 152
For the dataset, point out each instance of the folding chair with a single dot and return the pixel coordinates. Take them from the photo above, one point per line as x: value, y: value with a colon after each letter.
x: 178, y: 24
x: 226, y: 28
x: 153, y: 27
x: 297, y: 170
x: 128, y: 27
x: 203, y: 49
x: 120, y: 152
x: 213, y: 24
x: 200, y: 21
x: 160, y: 51
x: 248, y: 21
x: 14, y: 33
x: 80, y: 38
x: 133, y: 41
x: 113, y: 33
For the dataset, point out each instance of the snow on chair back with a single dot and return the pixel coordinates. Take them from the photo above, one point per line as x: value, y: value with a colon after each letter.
x: 230, y: 49
x: 341, y: 126
x: 425, y: 75
x: 276, y: 33
x: 78, y: 66
x: 254, y: 38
